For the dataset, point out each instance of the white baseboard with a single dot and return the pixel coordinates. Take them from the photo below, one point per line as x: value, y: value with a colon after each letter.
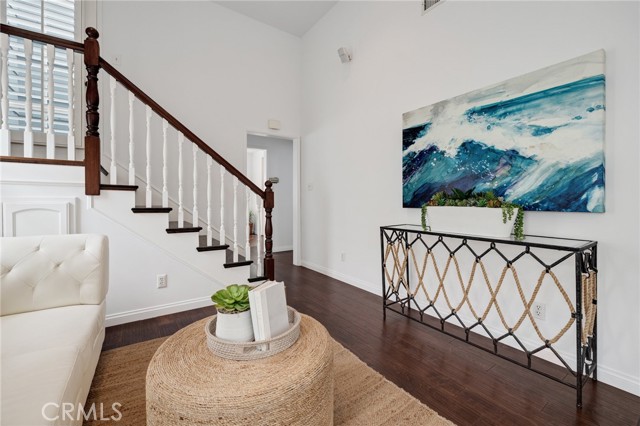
x: 619, y: 380
x: 282, y: 248
x: 356, y: 282
x: 156, y: 311
x: 610, y: 376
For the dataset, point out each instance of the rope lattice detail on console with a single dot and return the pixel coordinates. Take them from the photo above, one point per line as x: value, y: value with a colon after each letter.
x: 400, y: 255
x: 589, y: 304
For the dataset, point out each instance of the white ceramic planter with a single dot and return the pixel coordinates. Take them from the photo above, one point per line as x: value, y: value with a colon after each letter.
x: 483, y: 221
x: 235, y: 327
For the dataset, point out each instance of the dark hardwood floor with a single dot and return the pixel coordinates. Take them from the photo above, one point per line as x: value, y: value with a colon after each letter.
x: 462, y: 383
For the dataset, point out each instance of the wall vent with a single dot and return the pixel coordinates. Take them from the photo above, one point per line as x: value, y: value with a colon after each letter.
x: 429, y: 4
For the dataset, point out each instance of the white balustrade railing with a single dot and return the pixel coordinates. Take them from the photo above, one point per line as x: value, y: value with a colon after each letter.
x: 5, y: 133
x: 221, y: 231
x: 71, y: 140
x: 258, y: 232
x: 209, y: 213
x: 235, y: 219
x: 51, y: 138
x: 195, y: 213
x: 148, y: 193
x: 132, y: 167
x: 247, y: 246
x: 180, y: 179
x: 113, y: 169
x: 19, y: 60
x: 28, y: 106
x: 165, y: 177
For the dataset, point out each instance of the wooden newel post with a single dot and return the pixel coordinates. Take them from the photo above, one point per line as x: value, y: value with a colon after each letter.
x: 92, y: 138
x: 269, y: 264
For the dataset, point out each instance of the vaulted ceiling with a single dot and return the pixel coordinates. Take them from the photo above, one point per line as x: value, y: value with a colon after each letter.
x: 294, y: 17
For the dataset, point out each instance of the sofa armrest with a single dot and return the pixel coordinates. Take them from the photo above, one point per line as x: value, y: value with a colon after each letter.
x: 52, y: 271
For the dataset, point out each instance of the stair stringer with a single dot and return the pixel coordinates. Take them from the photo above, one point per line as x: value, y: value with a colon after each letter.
x: 116, y: 206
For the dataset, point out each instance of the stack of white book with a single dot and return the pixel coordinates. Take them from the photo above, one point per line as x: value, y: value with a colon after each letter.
x: 269, y: 315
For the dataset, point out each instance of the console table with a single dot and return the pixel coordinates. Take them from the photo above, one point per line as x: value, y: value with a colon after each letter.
x: 443, y: 280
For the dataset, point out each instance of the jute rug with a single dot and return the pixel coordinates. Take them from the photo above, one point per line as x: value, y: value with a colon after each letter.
x: 363, y: 397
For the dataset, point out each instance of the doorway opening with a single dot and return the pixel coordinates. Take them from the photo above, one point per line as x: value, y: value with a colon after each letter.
x: 277, y: 159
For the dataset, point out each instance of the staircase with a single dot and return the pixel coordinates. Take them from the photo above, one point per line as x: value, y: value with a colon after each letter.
x: 216, y: 242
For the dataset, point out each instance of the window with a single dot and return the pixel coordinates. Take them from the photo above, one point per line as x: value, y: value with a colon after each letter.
x: 51, y: 17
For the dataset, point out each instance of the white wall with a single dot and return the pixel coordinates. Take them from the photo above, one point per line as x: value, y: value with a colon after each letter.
x: 219, y: 72
x: 352, y: 118
x: 280, y: 165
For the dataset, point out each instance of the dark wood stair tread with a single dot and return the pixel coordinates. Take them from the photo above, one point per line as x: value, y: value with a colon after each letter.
x: 187, y: 227
x: 204, y: 246
x: 110, y: 187
x: 152, y: 209
x: 241, y: 260
x: 256, y: 279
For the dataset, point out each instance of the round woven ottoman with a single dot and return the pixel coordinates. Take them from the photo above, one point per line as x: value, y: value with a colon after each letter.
x: 188, y: 385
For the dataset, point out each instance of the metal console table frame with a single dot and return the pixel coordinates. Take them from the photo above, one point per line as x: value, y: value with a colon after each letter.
x: 397, y: 243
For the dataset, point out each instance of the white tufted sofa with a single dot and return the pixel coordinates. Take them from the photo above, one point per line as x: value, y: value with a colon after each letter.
x: 52, y: 311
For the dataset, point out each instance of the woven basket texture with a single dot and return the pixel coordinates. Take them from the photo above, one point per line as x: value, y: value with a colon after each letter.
x: 247, y: 351
x: 187, y: 385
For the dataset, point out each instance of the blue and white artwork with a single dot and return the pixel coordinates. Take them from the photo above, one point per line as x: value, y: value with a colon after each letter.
x: 536, y: 140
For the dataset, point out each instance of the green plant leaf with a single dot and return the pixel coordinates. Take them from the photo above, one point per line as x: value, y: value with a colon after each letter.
x: 457, y: 197
x: 234, y: 291
x: 233, y: 298
x: 240, y: 307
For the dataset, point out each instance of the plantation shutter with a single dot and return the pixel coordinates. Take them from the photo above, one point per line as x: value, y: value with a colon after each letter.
x: 51, y: 17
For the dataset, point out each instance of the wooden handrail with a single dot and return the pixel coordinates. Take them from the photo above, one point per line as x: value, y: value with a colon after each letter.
x: 43, y: 38
x: 147, y: 100
x: 32, y: 160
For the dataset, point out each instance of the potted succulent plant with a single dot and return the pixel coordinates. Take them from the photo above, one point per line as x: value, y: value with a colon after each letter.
x: 234, y: 317
x: 479, y: 213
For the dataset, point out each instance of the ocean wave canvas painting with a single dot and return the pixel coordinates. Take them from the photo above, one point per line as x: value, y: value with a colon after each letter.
x: 536, y: 140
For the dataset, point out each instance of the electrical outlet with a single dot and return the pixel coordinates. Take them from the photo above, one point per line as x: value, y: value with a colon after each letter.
x: 539, y: 311
x: 161, y: 281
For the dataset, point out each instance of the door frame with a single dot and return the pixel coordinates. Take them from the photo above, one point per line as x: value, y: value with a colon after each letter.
x: 297, y: 236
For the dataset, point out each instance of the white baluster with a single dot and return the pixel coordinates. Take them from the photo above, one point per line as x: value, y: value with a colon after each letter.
x: 148, y: 149
x: 165, y: 190
x: 209, y: 219
x: 28, y: 106
x: 247, y: 246
x: 222, y: 233
x: 71, y: 138
x: 196, y: 217
x: 51, y: 138
x: 113, y: 170
x: 235, y: 219
x: 132, y: 167
x: 258, y: 231
x: 180, y: 177
x: 5, y: 134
